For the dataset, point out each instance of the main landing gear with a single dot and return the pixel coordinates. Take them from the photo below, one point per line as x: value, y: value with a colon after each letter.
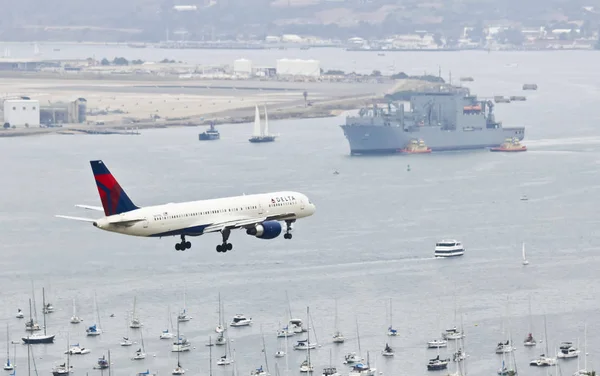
x: 288, y: 229
x: 183, y: 245
x: 225, y: 246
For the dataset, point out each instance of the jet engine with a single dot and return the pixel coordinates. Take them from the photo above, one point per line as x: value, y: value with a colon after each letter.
x: 265, y: 230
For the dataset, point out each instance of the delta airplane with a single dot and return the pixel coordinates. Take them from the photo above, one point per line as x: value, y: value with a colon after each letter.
x: 260, y: 215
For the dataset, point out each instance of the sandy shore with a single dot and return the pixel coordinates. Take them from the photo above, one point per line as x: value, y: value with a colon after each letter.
x: 119, y: 104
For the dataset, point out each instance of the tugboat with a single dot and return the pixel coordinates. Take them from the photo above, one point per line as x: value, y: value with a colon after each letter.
x: 210, y: 135
x: 416, y: 147
x: 510, y: 145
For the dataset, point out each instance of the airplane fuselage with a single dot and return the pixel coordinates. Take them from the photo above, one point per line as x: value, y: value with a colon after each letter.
x: 191, y: 218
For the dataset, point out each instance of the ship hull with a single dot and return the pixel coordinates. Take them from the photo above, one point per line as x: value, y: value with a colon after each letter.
x: 208, y: 137
x: 256, y: 140
x: 369, y: 139
x: 38, y: 339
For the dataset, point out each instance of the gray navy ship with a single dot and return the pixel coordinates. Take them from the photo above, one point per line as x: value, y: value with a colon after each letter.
x: 449, y: 118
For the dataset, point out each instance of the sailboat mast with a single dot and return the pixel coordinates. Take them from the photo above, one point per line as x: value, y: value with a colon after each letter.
x: 209, y: 355
x: 28, y: 355
x: 266, y: 127
x: 308, y: 338
x: 109, y: 365
x: 44, y: 309
x: 358, y: 337
x: 265, y: 350
x: 391, y: 320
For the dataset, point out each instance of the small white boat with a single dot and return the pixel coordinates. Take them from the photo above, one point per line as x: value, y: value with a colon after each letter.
x: 259, y: 372
x: 178, y: 370
x: 280, y: 354
x: 139, y: 355
x: 183, y: 316
x: 459, y: 356
x: 504, y: 347
x: 62, y: 369
x: 221, y: 340
x: 330, y: 371
x: 388, y: 351
x: 437, y: 343
x: 543, y: 361
x: 182, y: 345
x: 8, y: 366
x: 352, y: 358
x: 75, y: 319
x: 452, y: 334
x: 529, y: 340
x: 338, y: 338
x: 49, y: 308
x: 567, y: 350
x: 77, y: 350
x: 20, y: 314
x: 220, y: 329
x: 126, y: 342
x: 93, y: 330
x: 296, y: 326
x: 525, y: 262
x: 240, y: 320
x: 392, y: 332
x: 285, y: 332
x: 224, y: 361
x: 306, y: 366
x: 449, y: 248
x: 304, y: 345
x: 361, y: 369
x: 166, y: 334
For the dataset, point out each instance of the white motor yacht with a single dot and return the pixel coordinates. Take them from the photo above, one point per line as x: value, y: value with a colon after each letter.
x: 330, y: 371
x: 504, y: 347
x: 452, y: 334
x: 304, y: 345
x: 352, y: 358
x: 449, y: 248
x: 296, y: 326
x: 338, y: 338
x: 567, y: 350
x: 181, y: 345
x: 240, y: 320
x: 285, y: 332
x: 437, y: 343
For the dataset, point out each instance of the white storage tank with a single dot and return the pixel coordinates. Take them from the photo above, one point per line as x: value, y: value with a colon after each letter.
x: 22, y: 113
x: 298, y: 67
x: 242, y: 67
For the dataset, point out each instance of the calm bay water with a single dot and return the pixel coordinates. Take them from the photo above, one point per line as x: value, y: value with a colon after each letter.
x: 370, y: 240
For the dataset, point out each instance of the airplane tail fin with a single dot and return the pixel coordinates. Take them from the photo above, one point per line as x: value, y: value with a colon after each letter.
x: 113, y: 197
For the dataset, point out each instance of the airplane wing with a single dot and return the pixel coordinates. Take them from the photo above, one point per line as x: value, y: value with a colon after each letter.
x: 76, y: 218
x: 89, y: 207
x: 245, y: 222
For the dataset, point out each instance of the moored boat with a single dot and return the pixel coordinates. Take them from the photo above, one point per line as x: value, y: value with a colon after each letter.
x: 510, y: 145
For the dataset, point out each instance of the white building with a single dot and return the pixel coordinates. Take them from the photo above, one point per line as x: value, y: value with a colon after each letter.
x: 242, y: 67
x: 22, y: 112
x: 298, y: 67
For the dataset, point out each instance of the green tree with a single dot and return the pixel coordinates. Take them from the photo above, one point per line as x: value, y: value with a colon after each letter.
x: 105, y: 61
x: 120, y: 61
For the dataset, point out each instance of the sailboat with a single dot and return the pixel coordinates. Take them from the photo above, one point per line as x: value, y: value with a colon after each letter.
x: 338, y: 337
x: 103, y: 363
x: 529, y: 340
x: 32, y: 324
x: 75, y: 319
x: 220, y: 328
x: 261, y: 131
x: 525, y: 262
x: 306, y: 365
x: 391, y: 331
x: 584, y: 371
x: 135, y: 322
x: 166, y: 334
x: 544, y: 360
x: 125, y: 341
x: 8, y: 366
x: 183, y: 316
x: 352, y: 358
x: 224, y: 360
x: 141, y: 352
x: 505, y: 347
x: 65, y: 368
x: 178, y: 370
x: 95, y: 330
x: 19, y: 314
x: 37, y: 337
x: 181, y: 344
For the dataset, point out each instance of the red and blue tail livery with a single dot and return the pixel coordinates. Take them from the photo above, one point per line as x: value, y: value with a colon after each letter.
x: 113, y: 197
x: 260, y: 215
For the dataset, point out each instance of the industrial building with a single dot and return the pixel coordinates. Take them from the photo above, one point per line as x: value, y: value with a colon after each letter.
x: 64, y: 112
x: 242, y: 67
x: 298, y: 67
x: 21, y: 113
x: 28, y: 65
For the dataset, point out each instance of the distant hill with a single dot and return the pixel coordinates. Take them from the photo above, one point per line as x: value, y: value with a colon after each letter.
x: 149, y: 20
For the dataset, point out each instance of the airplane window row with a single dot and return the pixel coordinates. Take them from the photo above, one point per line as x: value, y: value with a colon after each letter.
x: 230, y: 210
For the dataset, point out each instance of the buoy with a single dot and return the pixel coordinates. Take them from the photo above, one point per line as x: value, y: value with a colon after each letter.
x: 407, y: 167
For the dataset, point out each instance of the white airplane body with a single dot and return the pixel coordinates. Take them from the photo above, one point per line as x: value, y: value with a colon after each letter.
x: 258, y: 214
